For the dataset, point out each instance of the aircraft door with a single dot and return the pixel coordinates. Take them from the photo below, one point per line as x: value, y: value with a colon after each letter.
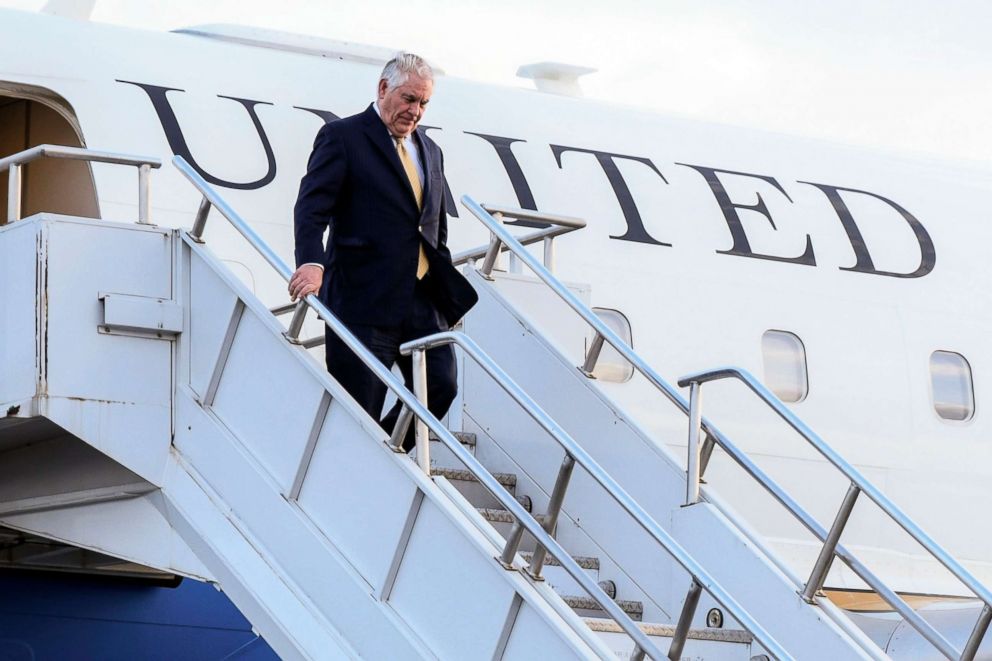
x: 50, y: 185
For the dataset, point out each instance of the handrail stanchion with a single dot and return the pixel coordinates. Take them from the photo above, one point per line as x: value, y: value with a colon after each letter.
x: 554, y: 509
x: 200, y: 220
x: 399, y: 430
x: 685, y: 620
x: 549, y: 253
x: 296, y: 323
x: 420, y: 427
x: 705, y: 454
x: 144, y: 194
x: 826, y: 557
x: 14, y: 194
x: 975, y: 639
x: 692, y: 469
x: 491, y: 260
x: 592, y: 356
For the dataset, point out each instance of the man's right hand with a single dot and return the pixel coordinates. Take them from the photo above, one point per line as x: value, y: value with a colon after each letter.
x: 305, y: 281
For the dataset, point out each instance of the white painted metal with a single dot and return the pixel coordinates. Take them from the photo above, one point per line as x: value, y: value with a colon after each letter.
x: 342, y: 568
x: 650, y: 474
x: 122, y: 312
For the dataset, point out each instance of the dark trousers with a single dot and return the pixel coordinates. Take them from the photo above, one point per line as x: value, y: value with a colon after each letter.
x: 384, y: 342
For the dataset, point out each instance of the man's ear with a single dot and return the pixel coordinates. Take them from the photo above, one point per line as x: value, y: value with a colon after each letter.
x: 383, y: 86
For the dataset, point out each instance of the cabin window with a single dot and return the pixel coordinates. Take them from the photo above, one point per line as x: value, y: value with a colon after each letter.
x: 784, y: 358
x: 951, y: 386
x: 611, y: 366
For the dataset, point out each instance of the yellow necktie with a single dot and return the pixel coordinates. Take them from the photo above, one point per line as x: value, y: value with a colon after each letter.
x: 411, y: 173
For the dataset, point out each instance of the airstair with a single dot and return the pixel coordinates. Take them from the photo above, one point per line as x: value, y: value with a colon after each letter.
x: 154, y: 410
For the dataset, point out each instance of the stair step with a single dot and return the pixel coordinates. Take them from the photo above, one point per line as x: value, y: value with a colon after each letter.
x: 709, y: 644
x: 442, y: 456
x: 502, y: 521
x: 499, y: 515
x: 472, y: 489
x: 559, y: 579
x: 465, y: 438
x: 587, y: 607
x: 585, y: 562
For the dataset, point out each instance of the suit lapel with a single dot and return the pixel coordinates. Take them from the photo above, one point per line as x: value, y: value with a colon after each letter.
x: 378, y: 134
x: 426, y: 158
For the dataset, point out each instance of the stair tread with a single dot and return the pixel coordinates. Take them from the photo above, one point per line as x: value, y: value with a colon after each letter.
x: 585, y: 562
x: 506, y: 479
x: 588, y: 603
x: 464, y: 437
x: 604, y: 625
x: 498, y: 515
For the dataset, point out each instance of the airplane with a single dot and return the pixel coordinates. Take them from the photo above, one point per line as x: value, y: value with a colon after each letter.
x: 850, y: 280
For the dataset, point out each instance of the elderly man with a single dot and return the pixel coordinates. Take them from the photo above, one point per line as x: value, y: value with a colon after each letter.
x: 376, y: 181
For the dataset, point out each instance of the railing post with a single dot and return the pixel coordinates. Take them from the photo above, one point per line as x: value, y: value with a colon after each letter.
x: 549, y: 253
x: 144, y: 194
x: 826, y: 557
x: 491, y: 260
x: 14, y: 193
x: 705, y: 454
x: 692, y: 471
x: 592, y: 357
x: 685, y: 620
x: 420, y: 390
x: 977, y: 634
x: 200, y: 222
x: 554, y: 509
x: 296, y: 323
x: 512, y: 544
x: 399, y: 430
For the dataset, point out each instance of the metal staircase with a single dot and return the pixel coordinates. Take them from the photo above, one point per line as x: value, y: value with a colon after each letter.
x: 645, y: 467
x: 156, y: 411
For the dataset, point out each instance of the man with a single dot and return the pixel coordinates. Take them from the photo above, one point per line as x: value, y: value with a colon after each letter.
x: 376, y: 182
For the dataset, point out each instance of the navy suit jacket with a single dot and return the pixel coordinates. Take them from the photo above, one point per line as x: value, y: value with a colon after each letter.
x: 356, y: 186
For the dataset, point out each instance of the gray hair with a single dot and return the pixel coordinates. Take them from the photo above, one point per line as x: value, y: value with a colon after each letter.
x: 398, y: 69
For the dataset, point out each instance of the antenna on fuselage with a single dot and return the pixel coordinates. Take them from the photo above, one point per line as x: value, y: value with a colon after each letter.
x: 555, y: 77
x: 77, y: 9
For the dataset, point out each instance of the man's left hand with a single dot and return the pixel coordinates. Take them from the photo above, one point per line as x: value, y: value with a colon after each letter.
x: 305, y: 281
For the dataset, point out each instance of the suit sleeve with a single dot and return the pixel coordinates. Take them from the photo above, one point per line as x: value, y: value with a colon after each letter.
x: 442, y: 221
x: 320, y: 189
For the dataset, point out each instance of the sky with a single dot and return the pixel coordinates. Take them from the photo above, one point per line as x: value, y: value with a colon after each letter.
x: 904, y: 75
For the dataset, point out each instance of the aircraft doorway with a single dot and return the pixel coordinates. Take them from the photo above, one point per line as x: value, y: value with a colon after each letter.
x: 50, y: 185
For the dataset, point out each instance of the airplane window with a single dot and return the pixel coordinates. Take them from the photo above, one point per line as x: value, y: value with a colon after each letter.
x: 951, y: 386
x: 611, y: 365
x: 784, y: 358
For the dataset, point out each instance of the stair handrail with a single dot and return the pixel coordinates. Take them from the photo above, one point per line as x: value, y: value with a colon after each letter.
x: 604, y: 334
x: 574, y: 453
x: 14, y: 163
x: 859, y: 484
x: 211, y: 199
x: 558, y: 225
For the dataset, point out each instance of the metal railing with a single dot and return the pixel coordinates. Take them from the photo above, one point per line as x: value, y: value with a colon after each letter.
x: 575, y: 454
x: 14, y: 163
x: 414, y: 408
x: 831, y: 539
x: 698, y: 460
x: 490, y: 253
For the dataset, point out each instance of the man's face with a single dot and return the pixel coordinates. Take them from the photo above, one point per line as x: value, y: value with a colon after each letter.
x: 402, y: 107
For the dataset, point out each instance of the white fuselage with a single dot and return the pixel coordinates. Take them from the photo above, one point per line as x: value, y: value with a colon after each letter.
x: 655, y: 249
